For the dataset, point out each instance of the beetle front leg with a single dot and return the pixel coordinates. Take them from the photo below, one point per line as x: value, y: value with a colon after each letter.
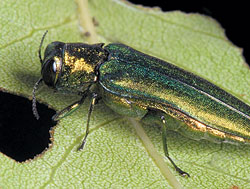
x: 71, y: 108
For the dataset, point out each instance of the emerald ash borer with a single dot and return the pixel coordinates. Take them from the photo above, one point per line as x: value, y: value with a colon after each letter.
x: 137, y: 85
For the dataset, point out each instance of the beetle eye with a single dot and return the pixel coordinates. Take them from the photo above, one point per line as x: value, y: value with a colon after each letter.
x: 50, y: 71
x: 54, y: 67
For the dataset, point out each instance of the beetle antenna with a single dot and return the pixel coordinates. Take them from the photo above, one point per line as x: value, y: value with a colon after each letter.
x: 39, y: 51
x: 34, y: 109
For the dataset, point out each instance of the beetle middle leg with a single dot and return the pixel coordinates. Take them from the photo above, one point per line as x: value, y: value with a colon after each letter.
x: 91, y: 108
x: 73, y: 107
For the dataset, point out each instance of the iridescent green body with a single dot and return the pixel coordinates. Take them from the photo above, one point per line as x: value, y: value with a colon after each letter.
x: 137, y: 85
x: 152, y: 84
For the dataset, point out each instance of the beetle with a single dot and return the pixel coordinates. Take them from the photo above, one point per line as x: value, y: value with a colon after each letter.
x: 137, y: 85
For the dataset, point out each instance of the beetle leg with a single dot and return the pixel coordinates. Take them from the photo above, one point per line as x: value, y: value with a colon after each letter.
x: 71, y: 108
x: 165, y: 148
x: 91, y: 108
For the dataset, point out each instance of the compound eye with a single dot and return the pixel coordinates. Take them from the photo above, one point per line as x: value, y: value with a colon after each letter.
x: 50, y: 71
x: 54, y: 67
x: 57, y: 64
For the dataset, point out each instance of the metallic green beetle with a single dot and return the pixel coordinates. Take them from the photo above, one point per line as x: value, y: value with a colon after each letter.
x: 137, y: 85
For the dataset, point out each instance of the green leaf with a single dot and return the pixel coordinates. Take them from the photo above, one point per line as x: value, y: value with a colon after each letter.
x: 114, y: 156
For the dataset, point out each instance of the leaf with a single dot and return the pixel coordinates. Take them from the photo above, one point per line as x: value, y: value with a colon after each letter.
x: 114, y: 156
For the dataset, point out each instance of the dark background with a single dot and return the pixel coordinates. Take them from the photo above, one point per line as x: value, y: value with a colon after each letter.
x: 22, y: 136
x: 232, y: 15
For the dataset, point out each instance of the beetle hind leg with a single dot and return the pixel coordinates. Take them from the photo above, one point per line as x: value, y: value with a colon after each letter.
x: 165, y: 148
